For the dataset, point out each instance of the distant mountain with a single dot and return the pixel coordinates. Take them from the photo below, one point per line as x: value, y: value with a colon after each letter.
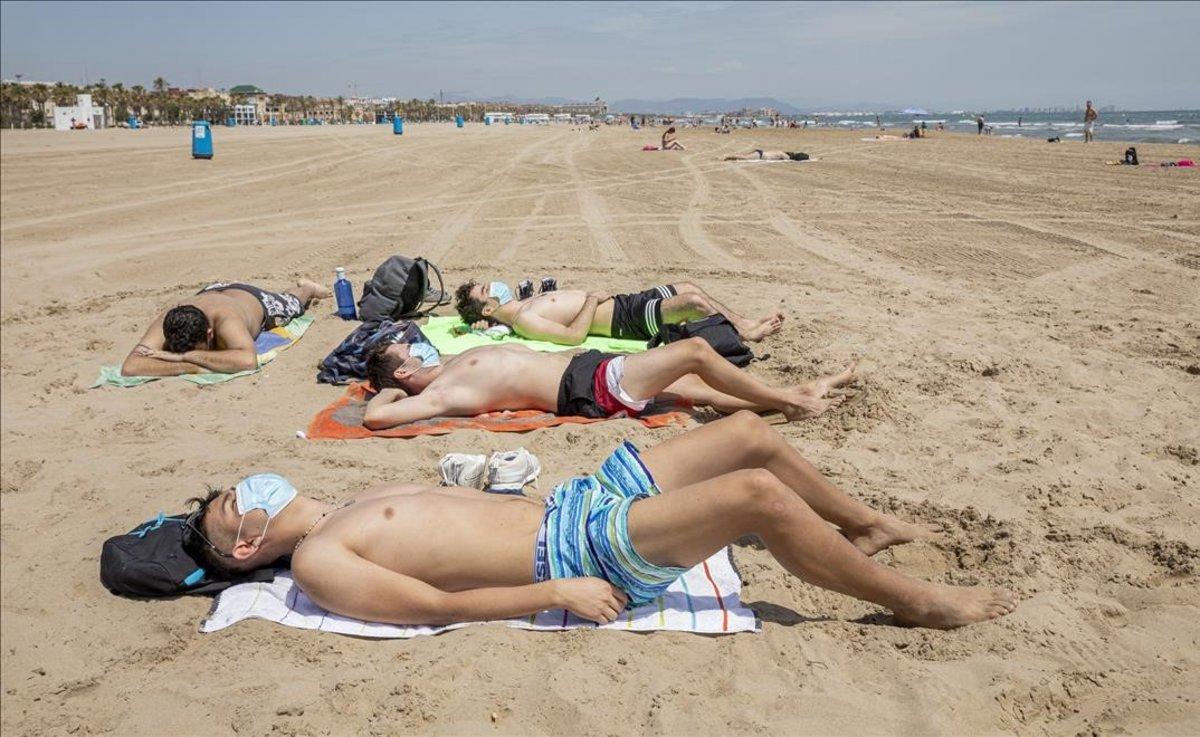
x: 680, y: 105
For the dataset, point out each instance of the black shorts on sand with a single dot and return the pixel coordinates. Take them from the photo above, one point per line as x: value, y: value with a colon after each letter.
x: 576, y: 391
x: 639, y: 316
x: 279, y: 308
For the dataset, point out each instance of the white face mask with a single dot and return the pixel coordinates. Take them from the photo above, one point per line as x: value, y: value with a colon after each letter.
x: 269, y: 492
x: 500, y: 292
x: 426, y: 353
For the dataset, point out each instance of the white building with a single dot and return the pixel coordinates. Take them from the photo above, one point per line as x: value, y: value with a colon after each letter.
x: 562, y: 117
x: 536, y: 118
x: 498, y: 117
x: 246, y: 114
x: 82, y: 112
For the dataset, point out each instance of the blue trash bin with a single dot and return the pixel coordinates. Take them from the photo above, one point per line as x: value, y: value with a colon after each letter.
x: 231, y: 121
x: 202, y: 147
x: 487, y: 120
x: 458, y: 121
x: 398, y: 125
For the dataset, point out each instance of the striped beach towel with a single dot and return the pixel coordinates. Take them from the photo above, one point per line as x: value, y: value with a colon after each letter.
x: 706, y: 599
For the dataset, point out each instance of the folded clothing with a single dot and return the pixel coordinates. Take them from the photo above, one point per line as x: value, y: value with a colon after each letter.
x: 440, y: 332
x: 706, y: 599
x: 343, y: 420
x: 268, y: 345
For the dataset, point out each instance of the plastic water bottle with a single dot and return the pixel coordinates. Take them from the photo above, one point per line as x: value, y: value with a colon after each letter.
x: 343, y: 291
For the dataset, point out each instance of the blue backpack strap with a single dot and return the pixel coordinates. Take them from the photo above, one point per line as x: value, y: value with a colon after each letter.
x: 194, y: 577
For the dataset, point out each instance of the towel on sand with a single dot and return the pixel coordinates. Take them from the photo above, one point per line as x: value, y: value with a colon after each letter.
x: 343, y: 419
x: 707, y: 599
x: 267, y: 345
x: 438, y: 330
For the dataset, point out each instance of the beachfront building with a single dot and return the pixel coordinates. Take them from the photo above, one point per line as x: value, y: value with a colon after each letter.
x: 80, y: 115
x: 597, y: 108
x: 536, y: 118
x: 562, y: 117
x: 498, y: 117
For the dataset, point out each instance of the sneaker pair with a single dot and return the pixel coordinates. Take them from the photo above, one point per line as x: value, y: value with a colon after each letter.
x: 503, y: 473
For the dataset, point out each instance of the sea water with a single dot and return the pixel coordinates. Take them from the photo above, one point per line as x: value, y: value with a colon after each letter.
x: 1158, y: 126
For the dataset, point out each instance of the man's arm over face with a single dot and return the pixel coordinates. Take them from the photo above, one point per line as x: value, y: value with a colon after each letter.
x: 142, y: 360
x: 392, y: 407
x: 536, y: 327
x: 345, y: 583
x: 237, y: 355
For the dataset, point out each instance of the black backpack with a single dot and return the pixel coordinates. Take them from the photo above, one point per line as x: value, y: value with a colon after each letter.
x: 1131, y: 156
x: 151, y: 560
x: 400, y: 289
x: 716, y: 330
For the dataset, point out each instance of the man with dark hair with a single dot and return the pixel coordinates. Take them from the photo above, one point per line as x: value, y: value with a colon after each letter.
x: 215, y: 330
x: 417, y: 554
x: 413, y: 383
x: 567, y: 316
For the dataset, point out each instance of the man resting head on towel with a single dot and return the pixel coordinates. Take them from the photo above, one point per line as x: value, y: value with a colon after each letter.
x: 215, y: 330
x: 416, y: 554
x: 568, y: 316
x: 760, y: 154
x: 415, y: 384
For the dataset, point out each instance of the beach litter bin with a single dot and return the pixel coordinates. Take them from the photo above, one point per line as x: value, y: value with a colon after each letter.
x: 133, y: 123
x: 231, y: 121
x: 458, y: 121
x: 202, y: 147
x: 398, y: 125
x: 487, y: 120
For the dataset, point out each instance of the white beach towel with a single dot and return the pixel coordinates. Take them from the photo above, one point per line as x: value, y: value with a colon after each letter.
x: 707, y: 599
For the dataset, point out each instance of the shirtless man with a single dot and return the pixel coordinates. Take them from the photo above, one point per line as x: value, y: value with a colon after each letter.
x: 215, y: 330
x: 1089, y: 123
x: 417, y: 554
x: 759, y: 154
x: 413, y: 383
x: 567, y: 316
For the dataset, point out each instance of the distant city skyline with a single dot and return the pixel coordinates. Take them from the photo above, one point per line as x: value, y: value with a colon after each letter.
x: 942, y: 56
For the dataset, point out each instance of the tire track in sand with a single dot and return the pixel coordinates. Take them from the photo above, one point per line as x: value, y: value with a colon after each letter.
x: 691, y: 228
x: 609, y: 251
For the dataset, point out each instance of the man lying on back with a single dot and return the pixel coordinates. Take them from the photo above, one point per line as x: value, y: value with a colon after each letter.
x: 215, y: 330
x: 416, y: 554
x: 567, y: 316
x: 413, y: 383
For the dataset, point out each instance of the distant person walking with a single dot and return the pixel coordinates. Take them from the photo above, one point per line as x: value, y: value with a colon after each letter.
x: 1089, y: 122
x: 1019, y: 121
x: 979, y: 123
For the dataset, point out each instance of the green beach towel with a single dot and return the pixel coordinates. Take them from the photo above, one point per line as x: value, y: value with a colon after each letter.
x: 438, y: 330
x: 268, y: 345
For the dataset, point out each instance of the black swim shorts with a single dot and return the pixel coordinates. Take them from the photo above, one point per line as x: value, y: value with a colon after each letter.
x: 639, y: 316
x: 279, y: 308
x: 577, y: 389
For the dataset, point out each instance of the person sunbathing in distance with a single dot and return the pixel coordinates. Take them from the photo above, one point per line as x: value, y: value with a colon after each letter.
x: 414, y: 384
x: 414, y: 554
x: 669, y: 142
x: 759, y: 154
x: 568, y: 316
x: 215, y: 330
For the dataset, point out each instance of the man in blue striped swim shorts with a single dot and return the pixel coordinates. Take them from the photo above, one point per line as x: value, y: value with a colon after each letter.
x: 416, y: 554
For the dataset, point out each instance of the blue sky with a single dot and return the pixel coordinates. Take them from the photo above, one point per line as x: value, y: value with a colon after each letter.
x: 936, y: 55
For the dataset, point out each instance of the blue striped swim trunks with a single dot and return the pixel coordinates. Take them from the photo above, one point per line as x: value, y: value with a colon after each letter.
x: 585, y: 529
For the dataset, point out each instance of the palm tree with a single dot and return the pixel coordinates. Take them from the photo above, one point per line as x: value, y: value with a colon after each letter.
x: 40, y: 94
x: 160, y: 84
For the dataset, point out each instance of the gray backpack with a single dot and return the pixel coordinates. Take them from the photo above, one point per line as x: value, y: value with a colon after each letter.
x: 400, y: 290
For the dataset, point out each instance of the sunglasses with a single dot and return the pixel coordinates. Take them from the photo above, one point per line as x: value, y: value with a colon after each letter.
x: 192, y: 532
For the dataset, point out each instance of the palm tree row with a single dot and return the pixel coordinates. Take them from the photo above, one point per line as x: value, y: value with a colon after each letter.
x: 27, y: 106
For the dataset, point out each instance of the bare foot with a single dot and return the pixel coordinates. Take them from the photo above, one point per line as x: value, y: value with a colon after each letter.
x: 886, y: 532
x: 804, y: 406
x: 821, y: 387
x: 318, y: 291
x: 755, y: 331
x: 947, y: 607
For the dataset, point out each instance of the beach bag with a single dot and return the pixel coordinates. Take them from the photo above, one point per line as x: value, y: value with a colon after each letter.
x: 151, y: 560
x: 348, y: 361
x: 715, y: 330
x: 400, y: 288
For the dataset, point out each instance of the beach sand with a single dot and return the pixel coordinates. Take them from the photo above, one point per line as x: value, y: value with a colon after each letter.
x: 1028, y: 325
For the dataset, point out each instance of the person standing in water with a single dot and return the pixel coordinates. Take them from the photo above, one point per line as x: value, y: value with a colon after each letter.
x: 979, y: 123
x: 1089, y: 122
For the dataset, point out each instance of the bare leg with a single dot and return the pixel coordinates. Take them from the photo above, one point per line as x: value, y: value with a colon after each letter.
x: 693, y: 302
x: 647, y: 374
x: 744, y: 441
x: 685, y: 527
x: 692, y: 388
x: 306, y: 291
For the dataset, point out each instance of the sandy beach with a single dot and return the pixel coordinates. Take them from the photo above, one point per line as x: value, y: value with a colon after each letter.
x: 1027, y: 321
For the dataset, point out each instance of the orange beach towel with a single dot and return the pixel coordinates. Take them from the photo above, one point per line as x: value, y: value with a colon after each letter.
x: 342, y: 420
